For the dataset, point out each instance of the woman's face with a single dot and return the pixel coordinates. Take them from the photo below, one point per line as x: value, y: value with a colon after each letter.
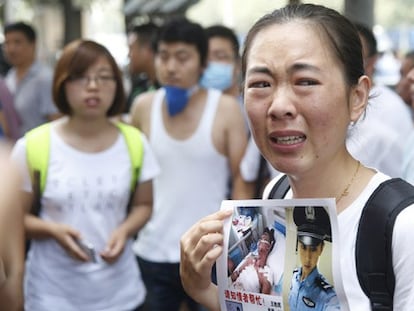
x: 296, y: 97
x: 92, y: 94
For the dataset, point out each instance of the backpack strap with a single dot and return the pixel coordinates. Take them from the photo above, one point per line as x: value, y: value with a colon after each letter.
x: 373, y: 248
x: 280, y: 188
x: 262, y: 177
x: 37, y: 155
x: 135, y: 145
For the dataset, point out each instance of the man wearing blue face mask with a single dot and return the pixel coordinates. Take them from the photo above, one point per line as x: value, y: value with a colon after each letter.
x: 199, y: 138
x: 223, y: 69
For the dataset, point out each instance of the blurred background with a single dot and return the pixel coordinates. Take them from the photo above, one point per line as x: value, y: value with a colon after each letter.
x: 60, y: 21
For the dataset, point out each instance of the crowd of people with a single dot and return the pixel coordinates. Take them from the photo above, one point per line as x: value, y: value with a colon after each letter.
x: 118, y: 191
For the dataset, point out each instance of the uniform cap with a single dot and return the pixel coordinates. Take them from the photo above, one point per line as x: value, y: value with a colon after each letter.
x: 313, y: 225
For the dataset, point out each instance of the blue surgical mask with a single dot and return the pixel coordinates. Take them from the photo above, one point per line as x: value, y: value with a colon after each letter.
x: 217, y: 76
x: 177, y: 98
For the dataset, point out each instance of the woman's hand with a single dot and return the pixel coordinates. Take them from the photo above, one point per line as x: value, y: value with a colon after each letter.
x: 115, y: 245
x: 66, y: 236
x: 201, y: 245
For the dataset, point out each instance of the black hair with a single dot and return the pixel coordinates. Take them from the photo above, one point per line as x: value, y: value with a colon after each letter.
x: 341, y: 34
x: 366, y: 33
x: 181, y: 29
x: 22, y: 27
x: 226, y: 33
x: 147, y: 34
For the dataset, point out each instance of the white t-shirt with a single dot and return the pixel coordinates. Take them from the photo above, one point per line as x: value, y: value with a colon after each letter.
x: 402, y: 250
x: 89, y: 192
x: 408, y: 160
x: 378, y: 138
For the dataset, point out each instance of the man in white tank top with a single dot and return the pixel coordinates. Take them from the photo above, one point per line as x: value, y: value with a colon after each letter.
x: 199, y: 138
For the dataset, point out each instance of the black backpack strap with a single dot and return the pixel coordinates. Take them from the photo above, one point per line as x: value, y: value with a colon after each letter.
x: 262, y: 177
x: 280, y: 188
x: 137, y: 171
x: 373, y: 248
x: 37, y: 195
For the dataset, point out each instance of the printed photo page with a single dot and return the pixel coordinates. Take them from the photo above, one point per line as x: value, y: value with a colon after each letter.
x: 281, y: 255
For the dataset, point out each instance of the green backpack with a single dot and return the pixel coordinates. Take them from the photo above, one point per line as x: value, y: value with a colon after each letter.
x: 37, y: 154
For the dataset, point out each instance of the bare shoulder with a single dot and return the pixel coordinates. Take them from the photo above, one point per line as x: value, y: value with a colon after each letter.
x: 142, y: 101
x: 8, y: 168
x: 141, y: 107
x: 6, y: 165
x: 229, y: 102
x: 230, y: 108
x: 10, y: 178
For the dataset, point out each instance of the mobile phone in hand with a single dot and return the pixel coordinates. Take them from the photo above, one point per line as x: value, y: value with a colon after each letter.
x: 87, y: 248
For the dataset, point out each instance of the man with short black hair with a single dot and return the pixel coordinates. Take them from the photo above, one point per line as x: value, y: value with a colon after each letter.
x: 198, y: 137
x: 29, y: 81
x: 141, y: 43
x: 223, y: 66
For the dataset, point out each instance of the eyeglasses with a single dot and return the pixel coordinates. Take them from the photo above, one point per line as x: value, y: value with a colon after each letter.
x: 99, y: 80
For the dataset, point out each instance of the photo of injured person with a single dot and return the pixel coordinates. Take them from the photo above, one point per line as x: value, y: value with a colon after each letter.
x: 256, y: 252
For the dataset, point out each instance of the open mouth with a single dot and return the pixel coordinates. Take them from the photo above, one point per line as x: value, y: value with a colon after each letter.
x: 288, y: 140
x: 92, y: 102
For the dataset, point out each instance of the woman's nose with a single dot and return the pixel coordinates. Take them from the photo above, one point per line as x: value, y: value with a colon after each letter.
x: 282, y: 105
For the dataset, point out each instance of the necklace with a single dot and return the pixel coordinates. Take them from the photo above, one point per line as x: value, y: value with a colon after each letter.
x: 346, y: 190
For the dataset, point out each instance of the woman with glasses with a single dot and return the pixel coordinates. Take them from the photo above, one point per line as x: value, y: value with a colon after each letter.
x: 80, y: 256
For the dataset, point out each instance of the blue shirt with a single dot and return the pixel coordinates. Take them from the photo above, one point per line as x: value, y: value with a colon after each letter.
x: 32, y: 96
x: 313, y: 293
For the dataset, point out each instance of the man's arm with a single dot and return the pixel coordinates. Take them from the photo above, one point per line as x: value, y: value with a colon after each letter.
x: 236, y: 144
x: 141, y: 112
x: 247, y: 261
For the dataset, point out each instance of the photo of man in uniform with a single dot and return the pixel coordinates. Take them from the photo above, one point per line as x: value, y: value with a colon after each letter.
x: 309, y: 289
